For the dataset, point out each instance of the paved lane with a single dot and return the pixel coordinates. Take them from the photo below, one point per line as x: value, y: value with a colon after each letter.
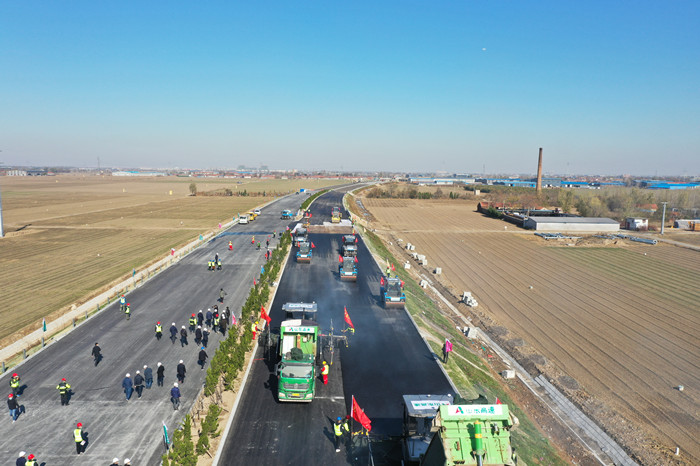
x: 115, y: 427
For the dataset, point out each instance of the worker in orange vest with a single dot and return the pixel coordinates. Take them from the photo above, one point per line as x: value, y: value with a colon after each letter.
x: 254, y: 328
x: 324, y: 373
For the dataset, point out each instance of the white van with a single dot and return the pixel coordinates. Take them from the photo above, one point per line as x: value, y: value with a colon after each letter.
x: 256, y: 211
x: 243, y: 219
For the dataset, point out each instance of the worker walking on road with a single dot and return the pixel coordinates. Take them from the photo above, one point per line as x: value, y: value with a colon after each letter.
x: 78, y: 437
x: 324, y: 372
x: 203, y: 357
x: 338, y: 433
x: 254, y: 329
x: 230, y: 246
x: 122, y: 303
x: 175, y: 396
x: 138, y: 383
x: 127, y: 311
x: 160, y: 374
x: 31, y: 460
x: 14, y: 384
x: 183, y: 337
x: 209, y: 316
x: 64, y: 390
x: 200, y: 318
x: 159, y: 331
x: 193, y: 322
x: 97, y: 353
x: 181, y: 370
x: 13, y: 406
x: 198, y: 335
x: 148, y: 375
x: 173, y: 333
x: 128, y: 386
x: 446, y: 350
x: 205, y: 337
x: 252, y: 241
x: 222, y: 294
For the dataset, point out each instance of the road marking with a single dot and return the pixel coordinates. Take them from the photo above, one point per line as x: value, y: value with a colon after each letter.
x: 332, y: 398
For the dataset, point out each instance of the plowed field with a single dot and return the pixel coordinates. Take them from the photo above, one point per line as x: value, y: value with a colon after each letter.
x: 68, y: 236
x: 618, y: 326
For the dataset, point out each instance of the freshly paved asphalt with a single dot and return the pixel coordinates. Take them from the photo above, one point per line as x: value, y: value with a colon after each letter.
x: 386, y: 359
x: 115, y: 427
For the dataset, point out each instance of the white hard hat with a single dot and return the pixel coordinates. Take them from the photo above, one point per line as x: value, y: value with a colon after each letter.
x: 159, y: 364
x: 175, y: 384
x: 173, y: 323
x: 128, y: 375
x: 138, y: 372
x: 145, y: 366
x: 22, y: 453
x: 180, y: 361
x: 115, y: 460
x: 183, y: 326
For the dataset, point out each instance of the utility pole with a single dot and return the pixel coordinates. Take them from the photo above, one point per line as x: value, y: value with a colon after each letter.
x: 663, y: 218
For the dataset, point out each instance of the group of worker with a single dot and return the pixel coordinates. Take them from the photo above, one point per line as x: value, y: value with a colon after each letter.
x: 215, y: 264
x: 125, y: 307
x: 24, y: 460
x: 341, y: 431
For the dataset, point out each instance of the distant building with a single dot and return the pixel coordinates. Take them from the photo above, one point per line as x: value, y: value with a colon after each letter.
x: 572, y: 224
x: 16, y: 173
x: 637, y: 224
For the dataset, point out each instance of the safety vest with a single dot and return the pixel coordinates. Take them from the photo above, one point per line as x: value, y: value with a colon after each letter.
x: 122, y: 300
x: 324, y: 369
x: 193, y: 321
x: 78, y: 435
x: 219, y: 263
x: 216, y: 321
x: 253, y: 327
x: 346, y: 426
x: 159, y: 328
x: 30, y: 463
x: 14, y: 382
x: 337, y: 429
x: 127, y: 310
x: 63, y: 388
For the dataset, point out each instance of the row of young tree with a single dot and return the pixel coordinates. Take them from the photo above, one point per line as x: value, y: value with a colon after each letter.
x: 226, y: 364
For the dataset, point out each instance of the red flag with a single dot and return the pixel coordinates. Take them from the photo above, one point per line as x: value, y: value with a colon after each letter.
x: 498, y: 402
x: 255, y: 283
x: 393, y: 268
x: 264, y: 316
x: 347, y: 318
x: 381, y: 280
x: 313, y: 245
x: 356, y: 261
x: 359, y: 415
x: 340, y: 258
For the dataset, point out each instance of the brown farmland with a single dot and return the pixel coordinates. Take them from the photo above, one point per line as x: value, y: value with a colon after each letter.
x: 68, y: 237
x: 616, y: 327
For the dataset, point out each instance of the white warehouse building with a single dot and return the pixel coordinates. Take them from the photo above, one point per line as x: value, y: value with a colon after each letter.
x: 587, y: 224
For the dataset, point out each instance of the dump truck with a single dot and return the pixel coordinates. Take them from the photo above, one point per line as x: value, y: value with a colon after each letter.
x: 296, y: 370
x: 348, y: 268
x: 336, y: 215
x: 392, y: 292
x: 418, y: 430
x: 304, y: 252
x: 286, y: 215
x: 476, y: 434
x: 349, y: 245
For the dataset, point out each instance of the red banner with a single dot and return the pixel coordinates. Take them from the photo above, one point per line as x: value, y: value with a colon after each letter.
x: 264, y: 316
x: 347, y: 318
x: 359, y: 415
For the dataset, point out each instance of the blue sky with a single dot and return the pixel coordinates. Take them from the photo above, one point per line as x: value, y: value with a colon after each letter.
x: 461, y: 86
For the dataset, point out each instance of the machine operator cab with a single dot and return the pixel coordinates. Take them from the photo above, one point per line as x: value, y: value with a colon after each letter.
x: 419, y: 411
x: 304, y: 311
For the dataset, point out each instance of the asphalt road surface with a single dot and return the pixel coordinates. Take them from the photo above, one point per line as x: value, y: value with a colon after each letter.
x: 115, y: 427
x: 386, y: 359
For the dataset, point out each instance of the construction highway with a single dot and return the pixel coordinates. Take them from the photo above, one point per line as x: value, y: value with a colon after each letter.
x: 386, y: 358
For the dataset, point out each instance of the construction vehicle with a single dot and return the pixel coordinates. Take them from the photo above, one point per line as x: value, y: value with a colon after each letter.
x: 418, y: 414
x: 304, y: 311
x: 286, y: 214
x: 251, y: 215
x: 336, y: 215
x: 304, y: 252
x: 298, y: 350
x: 476, y: 434
x: 348, y: 268
x: 392, y: 292
x: 349, y: 245
x: 299, y: 235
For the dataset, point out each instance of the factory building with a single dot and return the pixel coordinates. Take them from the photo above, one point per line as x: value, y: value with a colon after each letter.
x: 575, y: 224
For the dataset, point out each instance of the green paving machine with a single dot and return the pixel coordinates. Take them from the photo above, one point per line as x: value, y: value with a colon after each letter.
x: 477, y: 434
